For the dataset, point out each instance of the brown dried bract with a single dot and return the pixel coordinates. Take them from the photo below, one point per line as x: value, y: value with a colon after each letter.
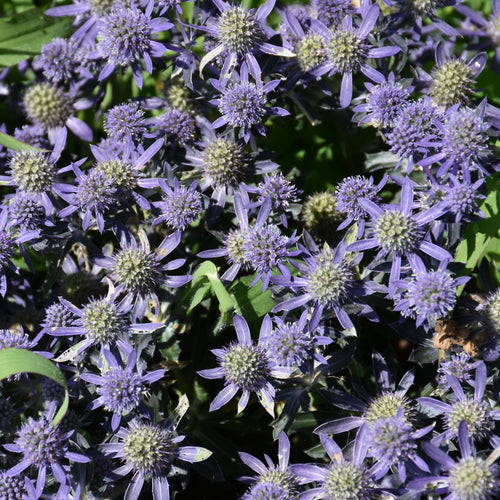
x: 449, y: 334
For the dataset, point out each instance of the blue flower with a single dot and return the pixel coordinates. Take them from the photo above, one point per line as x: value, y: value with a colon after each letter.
x: 271, y: 478
x: 471, y: 477
x: 244, y: 366
x: 125, y: 36
x: 241, y: 34
x: 138, y: 271
x: 347, y: 50
x: 243, y: 104
x: 180, y: 206
x: 400, y: 233
x: 43, y: 447
x: 150, y: 451
x: 125, y: 122
x: 326, y: 280
x: 121, y: 390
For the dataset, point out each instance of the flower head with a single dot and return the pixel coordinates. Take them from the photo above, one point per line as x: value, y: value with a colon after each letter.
x: 120, y: 389
x: 430, y: 295
x: 177, y: 125
x: 57, y: 60
x: 274, y: 482
x: 125, y: 122
x: 126, y: 35
x: 243, y: 104
x: 244, y: 366
x: 150, y: 451
x: 180, y: 206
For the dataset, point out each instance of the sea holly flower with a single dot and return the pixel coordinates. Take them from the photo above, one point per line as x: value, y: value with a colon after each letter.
x: 121, y: 390
x: 347, y: 194
x: 176, y: 125
x: 292, y: 344
x: 246, y: 366
x: 126, y: 35
x: 138, y: 271
x: 241, y: 34
x: 471, y: 476
x: 343, y: 478
x: 125, y: 122
x: 58, y: 60
x: 101, y: 322
x: 429, y: 295
x: 400, y: 233
x: 126, y: 171
x: 53, y: 110
x: 151, y: 453
x: 458, y: 365
x: 180, y: 206
x: 385, y: 404
x: 452, y: 79
x: 44, y: 447
x: 91, y: 197
x: 281, y: 191
x: 327, y: 281
x: 266, y: 248
x: 392, y: 441
x: 26, y: 211
x: 416, y: 124
x: 332, y: 12
x: 383, y: 103
x: 463, y: 142
x: 347, y: 51
x: 233, y: 242
x: 474, y: 411
x: 11, y: 487
x: 223, y: 163
x: 243, y: 104
x: 271, y: 478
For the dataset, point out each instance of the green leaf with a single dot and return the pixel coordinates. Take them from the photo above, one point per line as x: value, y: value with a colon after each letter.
x: 11, y: 143
x: 206, y: 279
x: 481, y: 238
x: 252, y: 303
x: 14, y: 361
x: 23, y: 35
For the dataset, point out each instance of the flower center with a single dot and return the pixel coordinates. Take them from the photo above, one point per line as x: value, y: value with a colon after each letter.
x: 310, y: 51
x: 474, y: 413
x: 224, y: 162
x: 32, y: 172
x: 346, y: 481
x: 238, y: 30
x: 451, y: 83
x: 102, y: 322
x: 243, y: 103
x: 346, y: 50
x: 246, y: 366
x: 135, y: 269
x: 47, y: 105
x: 473, y: 478
x: 397, y: 232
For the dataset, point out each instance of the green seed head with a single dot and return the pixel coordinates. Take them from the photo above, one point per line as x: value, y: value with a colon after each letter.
x: 452, y: 83
x: 224, y: 162
x: 474, y: 479
x: 238, y: 30
x: 397, y: 232
x: 102, y: 322
x: 47, y: 105
x: 346, y: 481
x: 32, y: 171
x: 310, y: 51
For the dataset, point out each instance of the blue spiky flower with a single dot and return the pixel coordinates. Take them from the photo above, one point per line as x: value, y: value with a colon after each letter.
x: 125, y: 122
x: 126, y: 35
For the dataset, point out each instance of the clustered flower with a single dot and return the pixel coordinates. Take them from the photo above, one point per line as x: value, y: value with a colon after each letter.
x: 291, y: 188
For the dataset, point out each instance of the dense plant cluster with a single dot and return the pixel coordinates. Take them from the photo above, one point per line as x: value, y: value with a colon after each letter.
x: 251, y: 229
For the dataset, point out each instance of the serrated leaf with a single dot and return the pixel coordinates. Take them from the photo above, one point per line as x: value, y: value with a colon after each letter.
x: 14, y: 361
x: 23, y: 35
